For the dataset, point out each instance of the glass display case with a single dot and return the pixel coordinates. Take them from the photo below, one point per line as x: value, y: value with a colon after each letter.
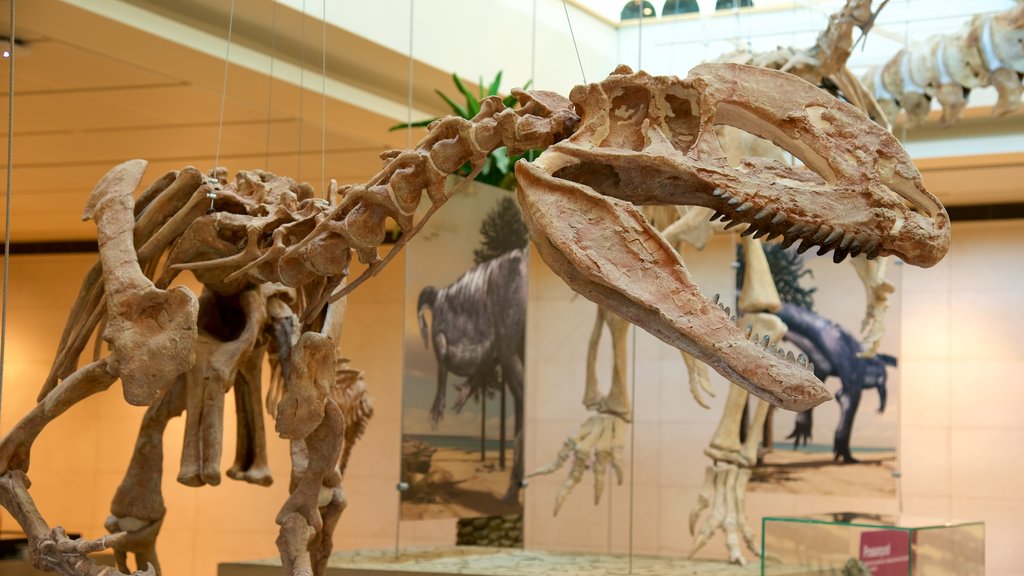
x: 853, y: 544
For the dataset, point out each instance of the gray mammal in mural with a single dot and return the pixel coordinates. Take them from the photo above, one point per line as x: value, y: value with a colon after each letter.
x: 834, y: 352
x: 479, y: 326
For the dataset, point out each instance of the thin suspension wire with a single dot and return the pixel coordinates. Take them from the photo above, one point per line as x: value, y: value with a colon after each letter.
x: 533, y: 46
x: 632, y: 429
x: 302, y: 87
x: 408, y: 135
x: 408, y: 117
x: 574, y: 44
x: 323, y: 102
x: 270, y: 82
x: 632, y: 444
x: 224, y: 90
x: 7, y: 207
x: 640, y: 39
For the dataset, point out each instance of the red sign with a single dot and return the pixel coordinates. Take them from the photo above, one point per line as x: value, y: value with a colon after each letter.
x: 886, y: 552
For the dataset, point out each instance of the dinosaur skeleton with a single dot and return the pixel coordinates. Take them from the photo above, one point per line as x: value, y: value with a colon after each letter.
x: 273, y: 260
x: 946, y: 67
x: 725, y: 485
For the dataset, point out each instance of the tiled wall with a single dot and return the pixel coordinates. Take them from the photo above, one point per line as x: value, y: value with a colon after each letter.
x: 962, y: 438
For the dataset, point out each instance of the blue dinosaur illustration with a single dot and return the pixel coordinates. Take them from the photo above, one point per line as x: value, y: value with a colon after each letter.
x: 834, y: 352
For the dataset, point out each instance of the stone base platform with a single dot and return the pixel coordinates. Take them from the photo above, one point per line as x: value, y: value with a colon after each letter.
x: 478, y: 561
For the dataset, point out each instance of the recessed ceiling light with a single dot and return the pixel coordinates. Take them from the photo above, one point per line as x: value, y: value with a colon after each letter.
x: 20, y: 47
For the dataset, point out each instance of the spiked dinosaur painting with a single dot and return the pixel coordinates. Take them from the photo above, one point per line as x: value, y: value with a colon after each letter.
x: 273, y: 259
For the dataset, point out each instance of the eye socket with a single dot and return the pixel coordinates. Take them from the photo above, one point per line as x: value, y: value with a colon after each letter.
x: 683, y: 120
x: 628, y: 110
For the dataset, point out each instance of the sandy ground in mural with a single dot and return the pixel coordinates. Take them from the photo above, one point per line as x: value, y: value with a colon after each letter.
x: 815, y: 473
x: 460, y: 485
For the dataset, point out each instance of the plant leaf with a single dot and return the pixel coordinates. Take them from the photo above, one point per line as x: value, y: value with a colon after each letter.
x: 458, y: 110
x: 420, y: 124
x: 509, y: 101
x: 480, y: 87
x: 501, y: 161
x: 493, y: 88
x: 472, y: 105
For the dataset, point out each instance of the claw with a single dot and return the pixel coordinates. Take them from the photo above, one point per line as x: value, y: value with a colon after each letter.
x: 724, y: 491
x: 699, y: 381
x: 601, y: 438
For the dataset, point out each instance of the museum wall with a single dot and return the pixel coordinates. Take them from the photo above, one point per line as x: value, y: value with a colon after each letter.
x: 962, y: 433
x: 80, y: 458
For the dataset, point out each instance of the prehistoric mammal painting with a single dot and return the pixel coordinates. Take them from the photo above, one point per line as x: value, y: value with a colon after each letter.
x: 463, y: 384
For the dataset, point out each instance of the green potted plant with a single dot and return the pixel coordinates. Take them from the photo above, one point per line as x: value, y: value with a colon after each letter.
x: 498, y: 169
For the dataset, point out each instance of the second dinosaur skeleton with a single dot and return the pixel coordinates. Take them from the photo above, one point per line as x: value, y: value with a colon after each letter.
x: 946, y: 67
x: 273, y: 260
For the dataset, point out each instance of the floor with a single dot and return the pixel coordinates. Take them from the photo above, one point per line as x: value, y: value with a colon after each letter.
x: 505, y: 562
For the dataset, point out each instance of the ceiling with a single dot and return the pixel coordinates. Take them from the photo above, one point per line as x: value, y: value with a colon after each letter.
x: 91, y: 92
x: 96, y: 88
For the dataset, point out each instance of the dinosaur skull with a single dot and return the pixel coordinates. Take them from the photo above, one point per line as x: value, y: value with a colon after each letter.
x: 650, y: 140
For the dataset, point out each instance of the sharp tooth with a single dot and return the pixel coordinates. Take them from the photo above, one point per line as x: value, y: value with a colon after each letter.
x: 847, y: 240
x: 764, y: 341
x: 750, y: 230
x: 810, y: 366
x: 858, y: 243
x: 732, y: 319
x: 717, y: 193
x: 728, y: 311
x: 871, y: 244
x: 733, y: 201
x: 715, y: 298
x: 788, y: 241
x: 824, y: 248
x: 805, y: 246
x: 717, y: 215
x: 759, y: 234
x: 750, y: 328
x: 821, y: 233
x: 756, y: 338
x: 763, y: 213
x: 790, y: 357
x: 778, y: 219
x: 835, y: 235
x: 744, y: 207
x: 732, y: 224
x: 872, y: 256
x: 802, y: 359
x: 839, y: 256
x: 772, y: 349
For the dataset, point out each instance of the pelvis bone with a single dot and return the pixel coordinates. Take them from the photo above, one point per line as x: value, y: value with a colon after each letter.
x: 143, y: 322
x: 650, y: 140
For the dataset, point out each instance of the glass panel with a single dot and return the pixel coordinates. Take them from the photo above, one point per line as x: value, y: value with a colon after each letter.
x: 862, y: 544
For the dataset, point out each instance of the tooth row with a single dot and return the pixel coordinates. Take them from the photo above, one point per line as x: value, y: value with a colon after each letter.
x: 723, y: 307
x: 762, y: 341
x: 768, y: 222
